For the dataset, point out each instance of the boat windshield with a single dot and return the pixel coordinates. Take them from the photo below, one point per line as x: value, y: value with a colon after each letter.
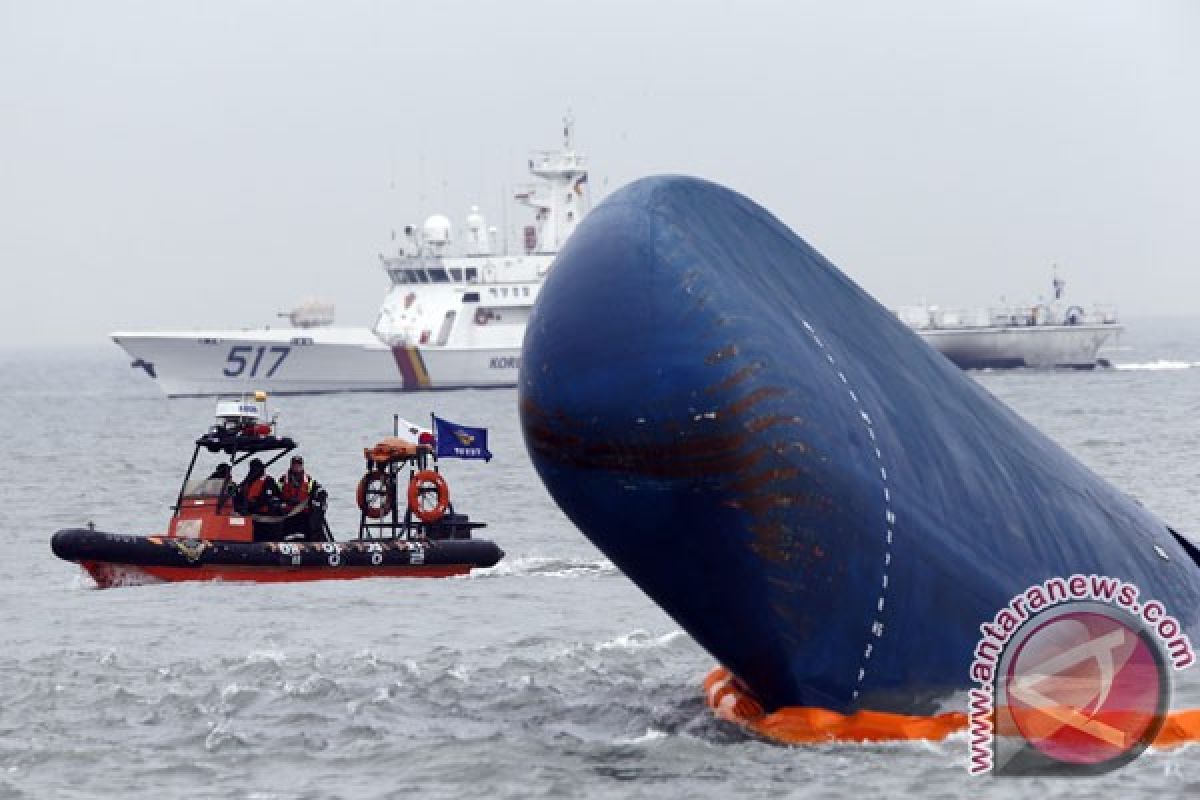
x: 204, y: 487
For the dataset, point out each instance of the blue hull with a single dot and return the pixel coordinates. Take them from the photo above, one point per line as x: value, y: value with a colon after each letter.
x: 825, y: 503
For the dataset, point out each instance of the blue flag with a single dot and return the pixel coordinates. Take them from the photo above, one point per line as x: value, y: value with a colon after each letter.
x: 459, y: 441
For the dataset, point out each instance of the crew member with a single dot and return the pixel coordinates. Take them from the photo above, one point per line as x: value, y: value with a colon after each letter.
x: 304, y: 503
x: 296, y: 485
x: 259, y: 493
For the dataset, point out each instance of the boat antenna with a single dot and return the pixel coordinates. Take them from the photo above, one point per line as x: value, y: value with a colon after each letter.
x: 433, y: 427
x: 396, y: 425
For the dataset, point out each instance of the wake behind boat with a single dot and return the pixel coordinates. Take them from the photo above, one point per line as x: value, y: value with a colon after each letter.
x: 448, y: 321
x: 223, y: 530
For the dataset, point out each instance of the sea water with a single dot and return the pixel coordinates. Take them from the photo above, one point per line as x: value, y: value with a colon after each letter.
x: 550, y: 675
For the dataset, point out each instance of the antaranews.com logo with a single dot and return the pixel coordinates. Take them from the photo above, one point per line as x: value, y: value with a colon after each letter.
x: 1073, y: 678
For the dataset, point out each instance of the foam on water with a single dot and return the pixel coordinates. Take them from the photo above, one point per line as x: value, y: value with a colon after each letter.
x: 547, y: 567
x: 640, y: 640
x: 1160, y: 364
x: 648, y: 737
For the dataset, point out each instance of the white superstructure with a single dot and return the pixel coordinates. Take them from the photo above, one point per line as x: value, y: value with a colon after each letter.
x: 454, y: 316
x: 1042, y: 334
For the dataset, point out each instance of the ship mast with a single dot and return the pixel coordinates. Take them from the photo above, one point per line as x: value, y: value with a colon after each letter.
x: 561, y: 200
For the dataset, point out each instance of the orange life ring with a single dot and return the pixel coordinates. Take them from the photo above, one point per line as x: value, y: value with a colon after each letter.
x: 421, y: 484
x: 374, y: 494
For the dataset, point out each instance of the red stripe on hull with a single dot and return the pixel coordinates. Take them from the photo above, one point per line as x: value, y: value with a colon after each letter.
x: 407, y: 374
x: 108, y: 575
x: 411, y: 364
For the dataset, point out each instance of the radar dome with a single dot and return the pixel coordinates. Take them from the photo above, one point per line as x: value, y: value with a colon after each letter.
x: 436, y: 229
x: 477, y: 234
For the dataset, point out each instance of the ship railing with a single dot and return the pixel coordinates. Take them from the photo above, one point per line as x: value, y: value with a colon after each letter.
x: 1017, y: 316
x: 556, y: 159
x: 936, y: 318
x: 1051, y: 314
x: 420, y: 260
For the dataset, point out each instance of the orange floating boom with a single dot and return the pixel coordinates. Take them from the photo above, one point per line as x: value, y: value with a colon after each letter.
x: 730, y: 701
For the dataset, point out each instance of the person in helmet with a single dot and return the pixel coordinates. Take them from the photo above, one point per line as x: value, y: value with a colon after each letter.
x: 296, y: 486
x: 303, y: 501
x: 258, y: 493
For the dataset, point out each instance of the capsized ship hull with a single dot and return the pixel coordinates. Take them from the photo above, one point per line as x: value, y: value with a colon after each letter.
x: 825, y: 503
x: 288, y: 361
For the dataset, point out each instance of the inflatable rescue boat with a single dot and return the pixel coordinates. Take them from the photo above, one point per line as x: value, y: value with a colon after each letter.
x: 407, y: 528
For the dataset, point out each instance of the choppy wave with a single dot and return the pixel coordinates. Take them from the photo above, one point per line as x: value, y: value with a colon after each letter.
x: 547, y: 676
x: 651, y: 735
x: 294, y: 722
x: 1158, y: 365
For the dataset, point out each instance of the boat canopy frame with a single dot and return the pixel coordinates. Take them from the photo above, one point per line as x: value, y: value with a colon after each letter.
x: 239, y: 446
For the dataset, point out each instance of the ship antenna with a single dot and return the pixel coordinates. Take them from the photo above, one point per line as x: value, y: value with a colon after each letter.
x: 504, y: 215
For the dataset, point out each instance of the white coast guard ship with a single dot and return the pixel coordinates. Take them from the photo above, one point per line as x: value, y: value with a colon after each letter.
x: 448, y: 321
x: 1046, y: 334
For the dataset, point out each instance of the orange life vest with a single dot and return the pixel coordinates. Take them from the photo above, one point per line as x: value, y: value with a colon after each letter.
x: 295, y: 492
x: 256, y: 489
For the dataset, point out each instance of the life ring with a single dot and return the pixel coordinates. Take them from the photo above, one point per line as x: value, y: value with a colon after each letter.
x: 374, y: 494
x: 481, y: 316
x: 419, y: 487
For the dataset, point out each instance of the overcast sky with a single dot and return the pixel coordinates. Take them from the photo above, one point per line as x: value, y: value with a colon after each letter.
x: 205, y: 164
